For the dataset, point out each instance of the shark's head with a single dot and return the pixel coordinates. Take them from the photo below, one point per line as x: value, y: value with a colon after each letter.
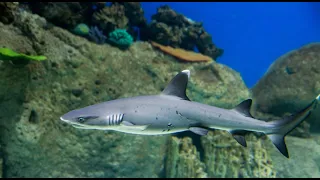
x: 92, y: 117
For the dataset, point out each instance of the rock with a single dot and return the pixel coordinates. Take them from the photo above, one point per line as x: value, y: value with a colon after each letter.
x: 7, y: 11
x: 183, y: 159
x: 64, y: 14
x: 289, y: 85
x: 171, y: 28
x: 226, y: 158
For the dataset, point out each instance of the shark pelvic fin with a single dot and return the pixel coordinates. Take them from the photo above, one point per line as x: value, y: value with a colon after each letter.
x: 198, y: 130
x: 244, y: 108
x: 178, y: 84
x: 239, y: 137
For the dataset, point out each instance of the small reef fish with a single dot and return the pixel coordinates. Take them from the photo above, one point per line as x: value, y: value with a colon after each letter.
x: 171, y: 111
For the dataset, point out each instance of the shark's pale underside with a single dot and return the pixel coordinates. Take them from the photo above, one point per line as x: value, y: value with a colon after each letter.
x: 172, y: 112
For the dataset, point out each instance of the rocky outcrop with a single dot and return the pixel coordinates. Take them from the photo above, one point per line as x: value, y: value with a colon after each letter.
x: 170, y: 28
x: 225, y: 158
x: 289, y: 85
x: 64, y: 14
x: 183, y: 159
x: 7, y: 11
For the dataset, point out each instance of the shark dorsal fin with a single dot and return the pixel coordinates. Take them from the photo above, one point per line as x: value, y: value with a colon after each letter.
x: 178, y: 84
x: 244, y: 108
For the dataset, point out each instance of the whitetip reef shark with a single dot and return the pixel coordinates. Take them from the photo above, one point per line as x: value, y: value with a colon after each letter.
x: 171, y: 111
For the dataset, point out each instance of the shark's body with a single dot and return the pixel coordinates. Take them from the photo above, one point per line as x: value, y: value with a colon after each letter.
x: 172, y: 112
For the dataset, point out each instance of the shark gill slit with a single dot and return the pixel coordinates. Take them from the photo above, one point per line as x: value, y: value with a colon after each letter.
x: 115, y: 119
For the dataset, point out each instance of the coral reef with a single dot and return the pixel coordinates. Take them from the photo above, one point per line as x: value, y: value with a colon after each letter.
x: 110, y: 18
x: 183, y: 159
x: 120, y: 38
x: 7, y: 11
x: 81, y: 29
x: 173, y: 29
x: 135, y: 14
x: 96, y: 35
x: 293, y: 82
x: 181, y: 54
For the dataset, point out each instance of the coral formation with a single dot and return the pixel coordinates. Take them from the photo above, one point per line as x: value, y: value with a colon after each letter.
x: 7, y: 11
x: 120, y: 38
x: 96, y: 35
x: 173, y: 29
x: 81, y: 29
x: 183, y: 159
x: 110, y: 18
x: 182, y: 54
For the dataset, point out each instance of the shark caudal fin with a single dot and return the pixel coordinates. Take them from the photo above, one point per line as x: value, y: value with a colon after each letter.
x: 284, y: 126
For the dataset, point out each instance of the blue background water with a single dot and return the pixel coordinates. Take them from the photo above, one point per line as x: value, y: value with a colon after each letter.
x: 252, y: 34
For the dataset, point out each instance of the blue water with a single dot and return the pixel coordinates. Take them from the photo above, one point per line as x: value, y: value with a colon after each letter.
x: 252, y: 34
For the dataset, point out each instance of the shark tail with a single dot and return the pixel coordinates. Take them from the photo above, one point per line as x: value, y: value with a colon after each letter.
x: 280, y: 128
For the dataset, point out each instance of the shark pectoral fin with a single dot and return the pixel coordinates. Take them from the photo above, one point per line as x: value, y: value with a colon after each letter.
x: 198, y: 130
x: 278, y: 141
x: 239, y: 137
x: 129, y: 125
x: 244, y: 108
x: 178, y: 84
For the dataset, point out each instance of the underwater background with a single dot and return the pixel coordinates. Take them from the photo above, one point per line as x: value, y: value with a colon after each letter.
x: 59, y: 56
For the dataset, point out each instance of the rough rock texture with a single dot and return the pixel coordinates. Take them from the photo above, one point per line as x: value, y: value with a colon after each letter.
x: 7, y: 11
x: 304, y: 159
x: 110, y: 18
x: 79, y: 73
x: 135, y: 14
x: 64, y: 14
x: 225, y: 158
x: 183, y: 159
x: 171, y: 28
x: 289, y: 85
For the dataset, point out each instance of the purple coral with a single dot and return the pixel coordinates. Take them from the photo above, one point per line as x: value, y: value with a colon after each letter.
x: 96, y: 35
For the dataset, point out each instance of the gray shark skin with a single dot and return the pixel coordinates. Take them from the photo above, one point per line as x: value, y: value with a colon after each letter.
x: 173, y: 112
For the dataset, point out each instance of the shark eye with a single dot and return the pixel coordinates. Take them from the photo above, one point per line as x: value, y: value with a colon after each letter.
x: 81, y: 119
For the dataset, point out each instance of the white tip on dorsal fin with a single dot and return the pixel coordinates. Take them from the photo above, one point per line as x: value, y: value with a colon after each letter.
x: 178, y: 84
x: 187, y: 72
